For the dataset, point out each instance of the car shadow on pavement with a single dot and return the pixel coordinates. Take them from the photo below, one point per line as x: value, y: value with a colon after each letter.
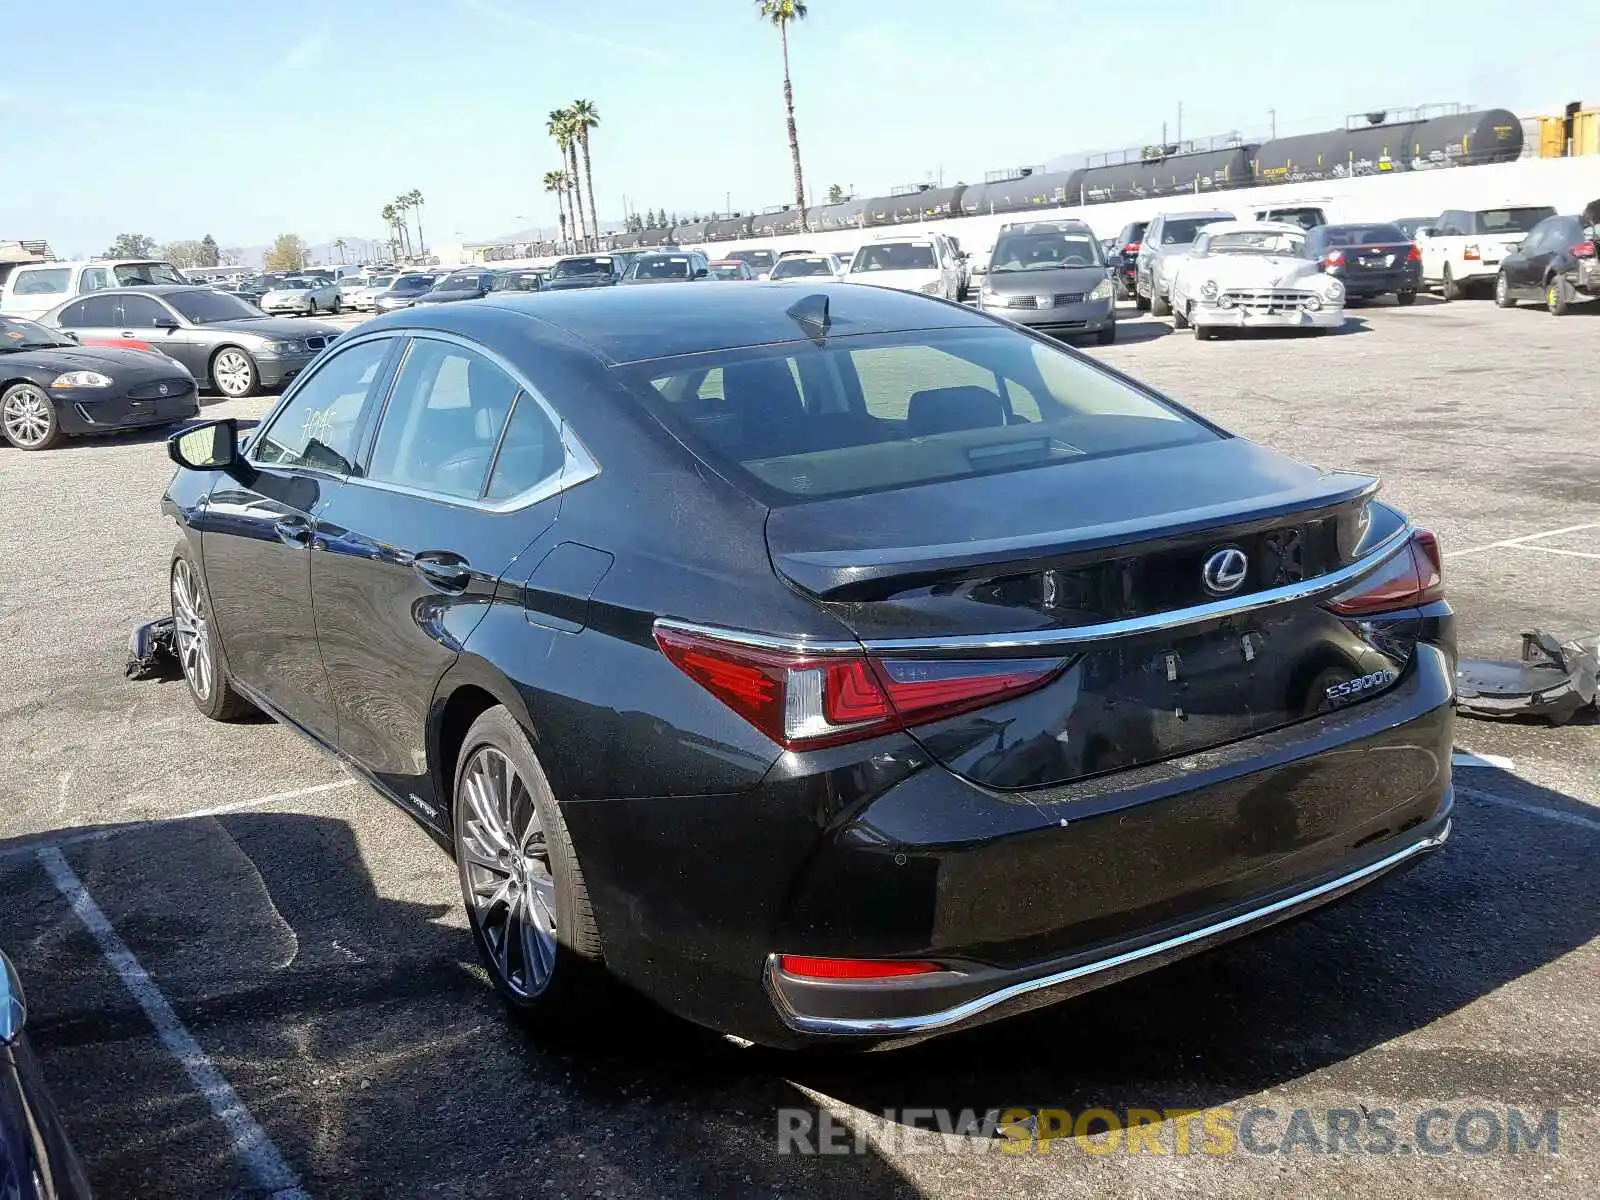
x: 1133, y: 330
x: 356, y: 1025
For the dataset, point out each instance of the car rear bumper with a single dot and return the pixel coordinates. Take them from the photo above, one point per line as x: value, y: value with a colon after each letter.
x: 1379, y: 283
x: 83, y: 411
x: 1023, y: 898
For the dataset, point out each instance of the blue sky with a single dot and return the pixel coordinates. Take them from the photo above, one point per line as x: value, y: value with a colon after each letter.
x: 247, y: 120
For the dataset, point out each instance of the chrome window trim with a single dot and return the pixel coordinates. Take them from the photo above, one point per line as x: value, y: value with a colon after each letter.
x: 1049, y: 639
x: 577, y: 465
x: 926, y: 1022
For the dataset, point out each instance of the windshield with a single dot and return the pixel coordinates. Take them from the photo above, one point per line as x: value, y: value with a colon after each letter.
x: 1257, y: 241
x: 459, y: 283
x: 660, y: 268
x: 1182, y: 232
x: 412, y: 284
x: 795, y: 268
x: 896, y: 256
x: 133, y: 274
x: 17, y: 334
x: 759, y: 260
x: 582, y: 268
x: 380, y: 281
x: 798, y: 420
x: 1511, y: 220
x: 295, y: 285
x: 205, y: 307
x: 1045, y: 252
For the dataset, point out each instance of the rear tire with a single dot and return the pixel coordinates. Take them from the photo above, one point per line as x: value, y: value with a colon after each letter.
x: 1405, y: 299
x: 1158, y: 303
x: 524, y: 891
x: 1558, y: 296
x: 1502, y: 292
x: 1449, y: 288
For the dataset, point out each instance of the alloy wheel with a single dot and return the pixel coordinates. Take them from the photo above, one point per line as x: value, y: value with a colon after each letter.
x: 191, y: 632
x: 505, y: 869
x: 233, y: 373
x: 27, y: 416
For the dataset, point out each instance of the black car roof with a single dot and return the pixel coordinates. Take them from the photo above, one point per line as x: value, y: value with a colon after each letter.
x: 631, y: 324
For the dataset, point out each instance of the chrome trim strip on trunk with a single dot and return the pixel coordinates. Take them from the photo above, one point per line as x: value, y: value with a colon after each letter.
x: 1077, y: 635
x: 928, y: 1022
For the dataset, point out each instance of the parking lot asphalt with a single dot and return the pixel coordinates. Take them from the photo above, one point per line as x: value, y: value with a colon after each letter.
x: 248, y: 975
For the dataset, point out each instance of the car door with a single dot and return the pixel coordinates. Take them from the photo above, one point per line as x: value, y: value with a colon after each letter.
x: 256, y: 531
x: 462, y: 480
x: 1522, y: 265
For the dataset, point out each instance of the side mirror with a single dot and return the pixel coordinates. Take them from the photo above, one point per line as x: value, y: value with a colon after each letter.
x: 699, y: 272
x: 69, y: 335
x: 163, y: 323
x: 1427, y: 231
x: 980, y: 268
x: 213, y: 446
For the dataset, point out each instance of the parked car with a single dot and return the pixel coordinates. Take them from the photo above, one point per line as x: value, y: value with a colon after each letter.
x: 583, y: 271
x: 878, y: 784
x: 1124, y: 256
x: 303, y: 295
x: 365, y: 298
x: 350, y: 286
x: 808, y: 266
x: 1254, y: 275
x: 1556, y: 263
x: 759, y: 261
x: 33, y: 289
x: 1166, y: 243
x: 1461, y: 252
x: 519, y: 279
x: 1410, y: 226
x: 1370, y: 260
x: 403, y: 291
x: 224, y: 342
x: 730, y: 269
x: 923, y: 263
x: 37, y: 1161
x: 250, y: 290
x: 53, y: 388
x: 676, y: 266
x: 459, y: 285
x: 1051, y: 276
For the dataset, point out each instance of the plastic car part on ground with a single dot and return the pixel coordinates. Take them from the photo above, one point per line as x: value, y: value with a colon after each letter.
x: 151, y: 654
x: 1554, y: 680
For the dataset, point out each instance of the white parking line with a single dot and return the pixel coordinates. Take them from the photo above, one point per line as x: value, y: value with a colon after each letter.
x: 1556, y: 550
x: 251, y: 1145
x: 1466, y: 758
x: 1533, y: 810
x: 1504, y: 543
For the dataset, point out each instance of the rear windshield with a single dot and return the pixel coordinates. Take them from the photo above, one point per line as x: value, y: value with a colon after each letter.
x: 412, y: 283
x: 799, y: 421
x: 459, y: 283
x: 1363, y: 235
x: 759, y: 259
x: 1511, y: 220
x: 896, y: 256
x: 582, y: 268
x: 794, y: 268
x: 659, y: 268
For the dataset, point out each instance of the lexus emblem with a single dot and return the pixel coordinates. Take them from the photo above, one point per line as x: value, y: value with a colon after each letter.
x: 1225, y: 571
x: 162, y: 389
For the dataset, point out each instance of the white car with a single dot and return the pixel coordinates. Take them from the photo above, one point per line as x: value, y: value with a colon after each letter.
x: 1253, y: 275
x: 925, y: 263
x: 802, y: 266
x: 302, y: 296
x: 365, y: 297
x: 1463, y: 249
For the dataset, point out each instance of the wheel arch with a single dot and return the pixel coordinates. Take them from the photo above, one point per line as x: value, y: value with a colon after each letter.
x: 470, y: 688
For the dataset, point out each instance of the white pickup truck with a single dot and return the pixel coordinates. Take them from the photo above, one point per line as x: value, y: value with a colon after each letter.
x: 1462, y: 250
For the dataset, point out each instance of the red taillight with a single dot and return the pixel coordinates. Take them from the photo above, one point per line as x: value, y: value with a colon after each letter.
x: 1413, y: 576
x: 1584, y: 250
x: 1414, y: 254
x: 1333, y: 258
x: 852, y: 968
x: 1131, y: 248
x: 803, y: 701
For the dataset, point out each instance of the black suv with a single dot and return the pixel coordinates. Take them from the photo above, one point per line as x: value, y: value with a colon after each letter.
x: 1557, y: 263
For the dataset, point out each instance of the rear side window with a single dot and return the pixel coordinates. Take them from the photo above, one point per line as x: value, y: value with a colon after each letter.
x: 874, y: 413
x: 49, y: 282
x: 443, y: 421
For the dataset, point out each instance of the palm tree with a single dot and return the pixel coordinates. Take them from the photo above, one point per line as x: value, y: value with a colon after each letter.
x: 561, y: 128
x: 402, y: 206
x: 339, y: 244
x: 585, y: 116
x: 780, y: 13
x: 388, y: 214
x: 413, y: 199
x: 556, y: 181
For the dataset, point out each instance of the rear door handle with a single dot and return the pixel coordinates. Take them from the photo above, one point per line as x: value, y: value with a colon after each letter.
x: 443, y: 571
x: 293, y: 531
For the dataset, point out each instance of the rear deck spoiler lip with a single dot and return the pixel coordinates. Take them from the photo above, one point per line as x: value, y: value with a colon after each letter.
x: 839, y: 574
x: 1028, y: 641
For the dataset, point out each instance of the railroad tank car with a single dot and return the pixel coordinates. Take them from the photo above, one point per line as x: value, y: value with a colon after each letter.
x: 1336, y: 153
x: 910, y: 208
x: 776, y: 224
x: 1175, y: 175
x: 691, y: 234
x: 656, y: 237
x: 728, y: 229
x: 830, y: 218
x: 1047, y: 189
x: 1465, y: 140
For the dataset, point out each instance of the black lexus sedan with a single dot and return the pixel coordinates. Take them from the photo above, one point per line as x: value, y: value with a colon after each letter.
x: 52, y: 388
x: 1371, y: 260
x: 578, y: 271
x: 825, y: 663
x: 37, y: 1161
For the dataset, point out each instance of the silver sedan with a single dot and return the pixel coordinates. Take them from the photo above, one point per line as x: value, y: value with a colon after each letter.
x: 302, y: 297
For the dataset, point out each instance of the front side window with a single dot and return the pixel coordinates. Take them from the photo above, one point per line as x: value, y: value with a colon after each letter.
x: 443, y: 421
x: 48, y: 282
x: 879, y: 412
x: 320, y: 425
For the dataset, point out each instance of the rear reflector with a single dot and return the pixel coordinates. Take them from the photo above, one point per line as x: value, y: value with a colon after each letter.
x: 803, y: 701
x: 852, y: 968
x: 1413, y: 576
